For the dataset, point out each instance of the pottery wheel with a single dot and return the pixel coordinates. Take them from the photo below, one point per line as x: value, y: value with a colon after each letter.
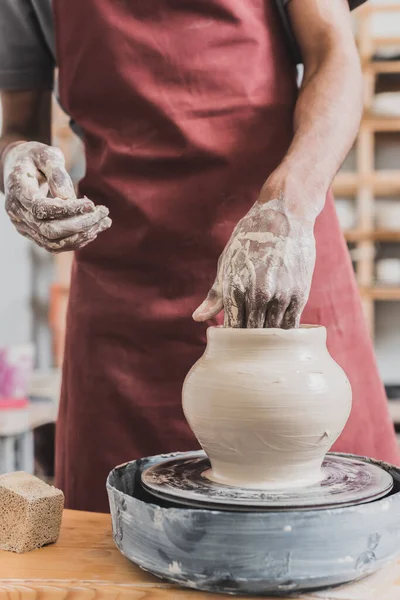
x: 346, y: 481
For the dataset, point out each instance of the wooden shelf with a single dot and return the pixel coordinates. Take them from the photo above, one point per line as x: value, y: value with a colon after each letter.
x: 377, y: 235
x: 379, y: 8
x: 367, y: 184
x: 383, y: 66
x: 383, y: 183
x: 386, y: 41
x: 345, y: 184
x: 380, y: 293
x: 378, y: 123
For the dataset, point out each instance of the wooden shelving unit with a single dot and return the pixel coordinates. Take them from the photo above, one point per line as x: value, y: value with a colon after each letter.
x: 380, y: 293
x: 382, y: 183
x: 377, y: 235
x: 366, y: 184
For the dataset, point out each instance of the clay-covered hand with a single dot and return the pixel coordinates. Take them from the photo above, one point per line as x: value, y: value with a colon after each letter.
x: 264, y: 274
x: 32, y: 173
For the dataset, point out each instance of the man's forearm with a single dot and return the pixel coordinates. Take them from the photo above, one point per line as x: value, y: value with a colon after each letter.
x: 328, y: 110
x: 327, y: 118
x: 26, y: 117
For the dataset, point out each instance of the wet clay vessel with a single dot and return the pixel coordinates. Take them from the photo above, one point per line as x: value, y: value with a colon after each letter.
x: 266, y: 405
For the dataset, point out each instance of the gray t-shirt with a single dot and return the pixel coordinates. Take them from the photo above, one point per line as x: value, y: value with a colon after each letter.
x: 27, y: 46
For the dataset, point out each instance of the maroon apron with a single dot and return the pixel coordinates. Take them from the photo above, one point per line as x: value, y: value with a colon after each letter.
x: 186, y: 109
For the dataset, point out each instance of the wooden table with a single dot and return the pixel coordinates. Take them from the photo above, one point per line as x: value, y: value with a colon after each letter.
x: 85, y: 564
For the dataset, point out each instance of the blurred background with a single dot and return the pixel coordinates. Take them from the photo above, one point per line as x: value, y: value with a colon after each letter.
x: 367, y: 189
x: 34, y: 292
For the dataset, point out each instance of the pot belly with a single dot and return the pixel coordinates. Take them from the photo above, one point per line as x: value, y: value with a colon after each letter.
x: 260, y: 433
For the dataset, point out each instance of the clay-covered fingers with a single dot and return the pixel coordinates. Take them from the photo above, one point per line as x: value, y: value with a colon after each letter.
x: 51, y: 162
x: 45, y: 209
x: 63, y: 234
x: 213, y: 303
x: 276, y: 311
x: 256, y: 309
x: 78, y: 224
x: 27, y: 180
x: 21, y: 181
x: 235, y: 306
x: 273, y: 311
x: 293, y: 312
x: 79, y: 241
x: 210, y: 307
x: 69, y: 243
x: 58, y: 223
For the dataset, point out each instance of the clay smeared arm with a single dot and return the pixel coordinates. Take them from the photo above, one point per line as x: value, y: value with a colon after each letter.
x: 39, y: 194
x: 264, y: 274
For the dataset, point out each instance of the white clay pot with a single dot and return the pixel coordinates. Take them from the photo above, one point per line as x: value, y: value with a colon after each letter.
x: 266, y: 405
x: 386, y: 104
x: 388, y: 271
x: 387, y: 215
x: 346, y: 213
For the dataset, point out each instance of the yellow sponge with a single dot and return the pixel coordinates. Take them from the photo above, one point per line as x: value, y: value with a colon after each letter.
x: 30, y: 512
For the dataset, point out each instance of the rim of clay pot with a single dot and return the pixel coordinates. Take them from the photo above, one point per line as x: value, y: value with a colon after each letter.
x: 267, y: 330
x: 304, y: 333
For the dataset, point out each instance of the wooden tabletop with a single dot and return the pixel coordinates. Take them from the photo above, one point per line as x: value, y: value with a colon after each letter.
x: 85, y: 564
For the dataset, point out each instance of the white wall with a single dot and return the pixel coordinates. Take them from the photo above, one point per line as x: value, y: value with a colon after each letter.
x: 25, y: 277
x: 15, y: 277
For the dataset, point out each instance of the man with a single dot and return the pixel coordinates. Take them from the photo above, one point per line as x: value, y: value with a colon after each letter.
x: 187, y: 110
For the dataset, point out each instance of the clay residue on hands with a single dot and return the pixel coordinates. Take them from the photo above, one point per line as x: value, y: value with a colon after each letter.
x: 41, y: 200
x: 264, y: 274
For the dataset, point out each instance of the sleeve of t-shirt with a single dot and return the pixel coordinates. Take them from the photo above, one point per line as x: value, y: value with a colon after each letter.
x: 282, y: 6
x: 25, y: 59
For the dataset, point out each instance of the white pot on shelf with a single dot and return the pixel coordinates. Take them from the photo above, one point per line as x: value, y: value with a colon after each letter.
x: 386, y: 104
x: 346, y: 213
x: 387, y: 214
x: 388, y: 271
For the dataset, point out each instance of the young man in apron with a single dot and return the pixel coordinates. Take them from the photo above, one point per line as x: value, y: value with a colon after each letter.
x: 192, y: 125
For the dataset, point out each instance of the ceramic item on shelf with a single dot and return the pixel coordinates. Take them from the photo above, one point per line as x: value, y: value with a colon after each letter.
x: 362, y: 253
x: 387, y: 214
x: 387, y: 52
x: 266, y: 405
x: 16, y: 366
x: 386, y: 104
x: 346, y: 213
x: 388, y: 271
x: 384, y: 26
